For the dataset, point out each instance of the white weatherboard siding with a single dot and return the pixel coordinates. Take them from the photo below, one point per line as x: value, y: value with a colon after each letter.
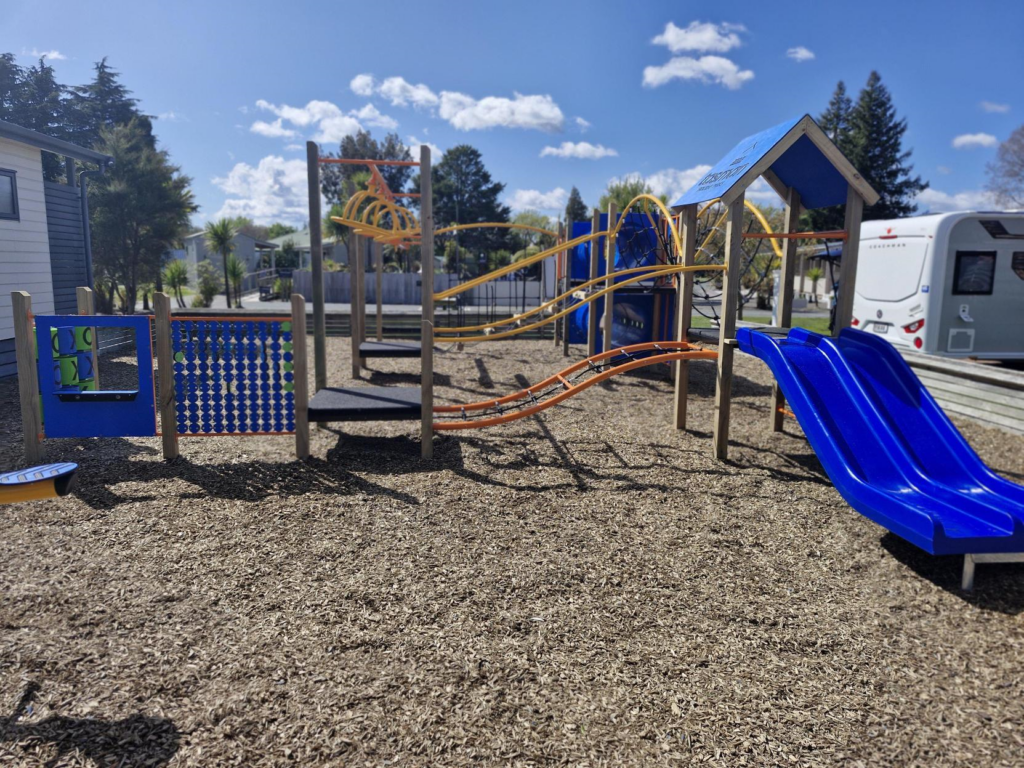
x: 24, y: 244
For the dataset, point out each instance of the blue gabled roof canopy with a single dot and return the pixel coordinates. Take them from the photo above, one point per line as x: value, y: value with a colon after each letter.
x: 795, y: 152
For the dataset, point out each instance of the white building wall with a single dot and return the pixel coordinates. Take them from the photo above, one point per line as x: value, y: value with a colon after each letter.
x: 24, y: 244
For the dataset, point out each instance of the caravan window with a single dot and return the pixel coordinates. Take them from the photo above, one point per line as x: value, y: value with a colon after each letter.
x: 1018, y: 264
x: 8, y: 194
x: 974, y: 273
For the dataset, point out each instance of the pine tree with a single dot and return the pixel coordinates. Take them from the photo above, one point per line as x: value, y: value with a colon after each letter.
x: 104, y: 103
x: 871, y: 137
x: 465, y: 193
x: 44, y: 109
x: 575, y: 210
x: 11, y: 85
x: 876, y: 150
x: 835, y: 120
x: 362, y: 146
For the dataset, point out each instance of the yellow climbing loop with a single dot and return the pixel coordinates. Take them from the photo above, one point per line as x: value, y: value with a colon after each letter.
x: 650, y: 268
x: 664, y: 270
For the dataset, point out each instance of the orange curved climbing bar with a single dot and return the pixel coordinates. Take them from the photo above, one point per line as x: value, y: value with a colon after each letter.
x: 669, y: 351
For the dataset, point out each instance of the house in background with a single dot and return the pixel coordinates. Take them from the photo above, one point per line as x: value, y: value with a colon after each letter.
x: 336, y: 252
x: 44, y: 233
x: 247, y: 248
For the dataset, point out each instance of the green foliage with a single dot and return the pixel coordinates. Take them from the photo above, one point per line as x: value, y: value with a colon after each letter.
x: 208, y: 284
x: 220, y: 238
x: 140, y: 207
x: 622, y: 192
x: 363, y: 146
x: 465, y: 193
x: 871, y: 137
x: 525, y: 238
x: 575, y: 210
x: 1006, y: 173
x: 330, y: 265
x: 277, y: 229
x: 287, y: 256
x: 176, y: 278
x: 283, y: 287
x: 236, y: 274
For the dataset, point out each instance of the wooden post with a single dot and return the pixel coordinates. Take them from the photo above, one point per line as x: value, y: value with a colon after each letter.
x: 316, y: 258
x: 848, y: 272
x: 427, y: 283
x: 784, y: 312
x: 566, y: 283
x: 28, y: 375
x: 609, y: 267
x: 595, y: 256
x: 165, y: 373
x: 87, y: 306
x: 300, y: 374
x: 378, y: 284
x: 356, y: 262
x: 727, y: 326
x: 684, y: 305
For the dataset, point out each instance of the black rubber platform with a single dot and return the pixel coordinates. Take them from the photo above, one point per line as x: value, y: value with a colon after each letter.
x: 365, y: 404
x: 390, y: 349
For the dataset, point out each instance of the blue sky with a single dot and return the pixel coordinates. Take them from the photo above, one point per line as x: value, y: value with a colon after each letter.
x: 553, y: 94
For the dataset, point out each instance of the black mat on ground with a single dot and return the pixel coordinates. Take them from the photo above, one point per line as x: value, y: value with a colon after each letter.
x: 390, y: 349
x: 365, y: 404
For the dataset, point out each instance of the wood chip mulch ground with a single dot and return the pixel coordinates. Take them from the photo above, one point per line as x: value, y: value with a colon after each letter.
x: 586, y: 587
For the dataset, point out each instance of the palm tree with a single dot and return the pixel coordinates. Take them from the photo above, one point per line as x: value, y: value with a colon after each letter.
x: 176, y: 277
x: 815, y: 274
x: 220, y: 236
x: 236, y: 272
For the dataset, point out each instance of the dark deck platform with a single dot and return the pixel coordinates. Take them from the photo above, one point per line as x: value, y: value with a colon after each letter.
x: 365, y: 404
x: 390, y: 349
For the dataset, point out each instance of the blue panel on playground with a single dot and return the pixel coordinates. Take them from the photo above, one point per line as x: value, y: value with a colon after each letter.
x: 233, y: 377
x: 803, y: 166
x: 68, y: 412
x: 635, y: 246
x: 636, y: 321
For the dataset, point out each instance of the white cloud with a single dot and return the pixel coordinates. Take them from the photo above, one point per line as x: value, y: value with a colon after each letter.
x: 372, y: 116
x: 800, y: 54
x: 535, y: 200
x: 172, y: 117
x: 534, y: 112
x: 701, y: 36
x: 52, y: 55
x: 582, y: 124
x: 414, y: 145
x: 582, y: 150
x: 936, y: 201
x: 292, y: 147
x: 331, y: 122
x: 945, y: 170
x: 274, y: 130
x: 991, y: 106
x: 673, y: 182
x: 400, y: 92
x: 706, y: 69
x: 971, y: 140
x: 275, y: 190
x: 362, y: 85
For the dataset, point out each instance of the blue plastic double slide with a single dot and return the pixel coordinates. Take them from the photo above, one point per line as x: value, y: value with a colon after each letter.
x: 886, y: 444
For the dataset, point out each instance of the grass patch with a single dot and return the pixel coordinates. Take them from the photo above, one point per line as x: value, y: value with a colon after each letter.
x: 815, y: 324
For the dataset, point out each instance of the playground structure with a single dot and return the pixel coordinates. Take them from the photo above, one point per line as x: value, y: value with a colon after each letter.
x: 889, y: 450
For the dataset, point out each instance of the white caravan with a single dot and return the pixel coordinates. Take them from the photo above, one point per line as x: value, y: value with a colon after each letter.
x: 948, y: 284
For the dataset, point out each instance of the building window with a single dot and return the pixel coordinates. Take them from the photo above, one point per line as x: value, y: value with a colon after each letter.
x: 8, y: 194
x: 1018, y: 264
x: 974, y: 273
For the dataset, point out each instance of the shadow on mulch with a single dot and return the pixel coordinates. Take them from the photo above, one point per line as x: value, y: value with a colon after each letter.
x: 134, y: 741
x: 997, y: 587
x: 253, y: 481
x: 806, y: 465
